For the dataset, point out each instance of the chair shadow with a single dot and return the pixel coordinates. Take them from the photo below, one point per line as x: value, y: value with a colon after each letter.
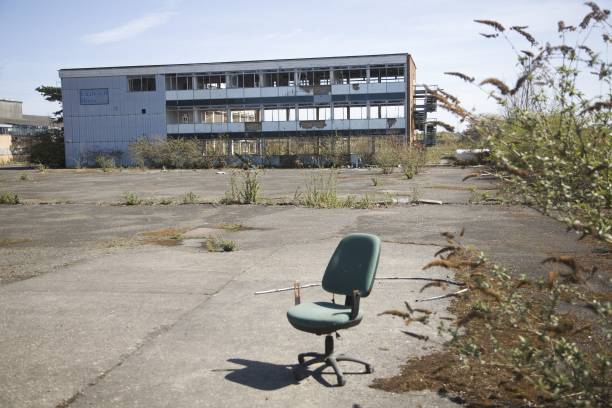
x: 270, y: 377
x: 261, y: 375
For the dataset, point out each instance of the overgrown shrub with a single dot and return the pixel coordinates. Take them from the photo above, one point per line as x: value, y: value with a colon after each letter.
x: 48, y: 149
x: 554, y: 139
x: 518, y: 341
x: 170, y: 153
x: 7, y: 197
x: 392, y: 155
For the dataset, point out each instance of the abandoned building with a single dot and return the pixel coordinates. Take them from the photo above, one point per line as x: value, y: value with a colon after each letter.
x: 244, y: 105
x: 18, y: 131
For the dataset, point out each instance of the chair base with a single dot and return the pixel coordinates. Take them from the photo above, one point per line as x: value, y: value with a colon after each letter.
x: 330, y: 358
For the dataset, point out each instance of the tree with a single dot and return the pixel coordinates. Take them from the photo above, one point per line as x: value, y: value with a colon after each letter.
x: 53, y: 94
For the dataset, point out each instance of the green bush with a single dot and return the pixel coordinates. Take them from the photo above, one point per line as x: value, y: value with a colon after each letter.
x: 6, y: 197
x: 170, y: 153
x: 392, y: 155
x: 553, y: 142
x: 130, y: 198
x: 105, y: 162
x: 48, y: 149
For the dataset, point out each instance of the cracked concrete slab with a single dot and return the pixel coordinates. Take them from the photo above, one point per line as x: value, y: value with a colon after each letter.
x: 100, y: 318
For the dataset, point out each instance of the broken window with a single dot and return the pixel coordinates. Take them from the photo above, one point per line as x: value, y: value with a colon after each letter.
x: 141, y: 83
x: 286, y: 79
x: 321, y: 77
x: 245, y: 115
x: 358, y: 76
x: 270, y: 79
x: 341, y: 76
x: 382, y: 73
x: 251, y: 80
x: 236, y: 81
x: 306, y: 78
x: 210, y: 81
x: 184, y: 82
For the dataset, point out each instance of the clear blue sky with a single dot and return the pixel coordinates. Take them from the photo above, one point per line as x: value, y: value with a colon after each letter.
x: 40, y: 37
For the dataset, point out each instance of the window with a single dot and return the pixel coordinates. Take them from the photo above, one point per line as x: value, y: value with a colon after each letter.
x: 321, y: 78
x: 306, y: 78
x: 210, y: 81
x: 358, y: 76
x: 340, y: 112
x: 236, y: 81
x: 184, y: 83
x: 185, y: 117
x: 176, y: 116
x: 251, y: 80
x: 276, y: 114
x: 245, y: 115
x: 270, y: 79
x: 381, y: 73
x: 384, y: 111
x: 141, y: 83
x: 341, y: 76
x: 286, y: 79
x: 323, y: 113
x: 170, y: 82
x: 358, y: 112
x: 307, y: 114
x: 214, y: 116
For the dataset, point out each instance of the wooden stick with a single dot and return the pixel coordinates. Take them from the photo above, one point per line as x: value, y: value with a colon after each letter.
x: 450, y: 281
x: 310, y: 285
x: 263, y: 292
x: 444, y: 296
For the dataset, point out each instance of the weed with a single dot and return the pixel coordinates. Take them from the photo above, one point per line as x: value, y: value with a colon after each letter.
x: 25, y: 177
x: 7, y: 197
x: 40, y: 167
x: 231, y: 227
x: 375, y: 181
x: 218, y: 244
x: 190, y: 198
x: 165, y: 201
x: 105, y: 162
x: 4, y: 242
x: 246, y: 193
x: 515, y: 341
x: 131, y: 198
x: 416, y: 194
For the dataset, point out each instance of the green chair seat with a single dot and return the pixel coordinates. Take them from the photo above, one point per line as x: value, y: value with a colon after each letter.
x: 321, y: 317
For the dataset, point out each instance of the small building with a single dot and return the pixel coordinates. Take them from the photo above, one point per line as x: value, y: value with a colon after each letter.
x: 107, y: 109
x: 17, y: 131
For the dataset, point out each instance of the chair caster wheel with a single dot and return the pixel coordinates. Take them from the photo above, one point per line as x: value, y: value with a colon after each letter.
x: 369, y: 369
x: 341, y: 381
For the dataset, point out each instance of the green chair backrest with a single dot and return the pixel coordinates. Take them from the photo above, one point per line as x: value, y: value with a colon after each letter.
x: 353, y: 265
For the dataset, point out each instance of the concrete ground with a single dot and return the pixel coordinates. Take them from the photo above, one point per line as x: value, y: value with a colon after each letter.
x: 94, y: 314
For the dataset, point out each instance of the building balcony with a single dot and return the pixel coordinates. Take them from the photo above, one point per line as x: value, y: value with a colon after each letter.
x: 283, y: 91
x: 288, y: 126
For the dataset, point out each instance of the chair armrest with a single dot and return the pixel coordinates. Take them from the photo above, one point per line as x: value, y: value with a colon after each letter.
x: 355, y: 303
